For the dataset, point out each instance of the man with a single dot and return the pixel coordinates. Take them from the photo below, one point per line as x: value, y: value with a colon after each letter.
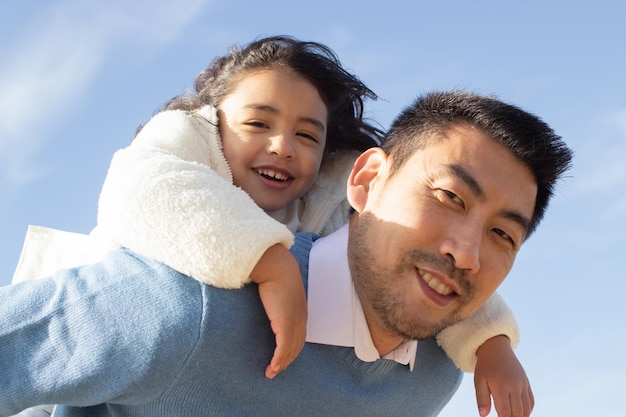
x: 440, y: 214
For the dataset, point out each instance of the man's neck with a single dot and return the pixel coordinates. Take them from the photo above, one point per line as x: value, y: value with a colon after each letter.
x: 384, y: 340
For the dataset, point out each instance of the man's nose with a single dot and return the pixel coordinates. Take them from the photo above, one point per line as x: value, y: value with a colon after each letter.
x: 463, y: 245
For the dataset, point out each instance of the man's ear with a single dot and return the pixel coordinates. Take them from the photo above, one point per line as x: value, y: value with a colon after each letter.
x: 366, y: 170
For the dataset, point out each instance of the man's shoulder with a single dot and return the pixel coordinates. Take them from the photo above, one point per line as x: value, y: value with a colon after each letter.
x: 302, y: 244
x: 305, y: 238
x: 144, y: 278
x: 301, y: 249
x: 432, y: 359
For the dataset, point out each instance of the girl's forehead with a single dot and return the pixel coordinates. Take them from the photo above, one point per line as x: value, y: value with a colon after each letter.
x: 276, y: 73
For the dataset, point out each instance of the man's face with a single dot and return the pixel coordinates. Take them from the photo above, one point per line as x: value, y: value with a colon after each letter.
x: 432, y: 242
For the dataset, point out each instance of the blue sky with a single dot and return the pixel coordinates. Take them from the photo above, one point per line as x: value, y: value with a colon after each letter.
x: 78, y: 77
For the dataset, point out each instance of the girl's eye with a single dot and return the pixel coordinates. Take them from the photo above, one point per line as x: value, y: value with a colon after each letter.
x: 308, y: 136
x: 256, y: 123
x: 455, y: 198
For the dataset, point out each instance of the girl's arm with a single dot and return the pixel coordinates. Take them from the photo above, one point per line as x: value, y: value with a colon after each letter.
x: 461, y: 341
x: 169, y: 196
x: 483, y: 343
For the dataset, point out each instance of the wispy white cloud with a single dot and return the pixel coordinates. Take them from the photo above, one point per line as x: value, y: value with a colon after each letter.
x: 57, y: 55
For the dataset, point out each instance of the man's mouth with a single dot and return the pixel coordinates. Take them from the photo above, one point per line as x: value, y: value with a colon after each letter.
x: 272, y: 175
x: 435, y: 284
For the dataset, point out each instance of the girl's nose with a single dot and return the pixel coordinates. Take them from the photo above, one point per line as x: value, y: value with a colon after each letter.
x: 281, y: 145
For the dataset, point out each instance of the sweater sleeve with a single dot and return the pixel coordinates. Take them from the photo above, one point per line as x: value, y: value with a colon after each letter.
x: 462, y: 340
x: 169, y: 196
x: 117, y: 331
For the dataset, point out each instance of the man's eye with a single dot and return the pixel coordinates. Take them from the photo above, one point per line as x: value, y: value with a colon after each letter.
x: 455, y: 198
x: 504, y: 235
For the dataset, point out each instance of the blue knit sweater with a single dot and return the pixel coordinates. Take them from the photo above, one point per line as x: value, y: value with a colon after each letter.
x: 131, y: 337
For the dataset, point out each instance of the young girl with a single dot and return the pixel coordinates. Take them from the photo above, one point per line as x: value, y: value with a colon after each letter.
x: 282, y: 121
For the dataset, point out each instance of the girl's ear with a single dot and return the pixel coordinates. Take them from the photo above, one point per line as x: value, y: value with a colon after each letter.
x: 369, y: 167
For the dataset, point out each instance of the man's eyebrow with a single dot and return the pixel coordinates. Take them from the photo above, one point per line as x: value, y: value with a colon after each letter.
x: 518, y: 218
x: 465, y: 176
x: 275, y: 111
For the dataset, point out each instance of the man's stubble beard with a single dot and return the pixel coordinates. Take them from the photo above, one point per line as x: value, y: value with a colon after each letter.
x: 380, y: 286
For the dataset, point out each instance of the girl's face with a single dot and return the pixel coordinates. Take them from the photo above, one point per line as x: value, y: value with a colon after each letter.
x: 273, y: 127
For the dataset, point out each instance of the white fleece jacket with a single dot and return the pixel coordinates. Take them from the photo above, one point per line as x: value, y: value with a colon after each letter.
x: 169, y: 196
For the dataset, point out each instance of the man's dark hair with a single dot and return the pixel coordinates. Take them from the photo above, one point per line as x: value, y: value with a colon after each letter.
x: 530, y: 139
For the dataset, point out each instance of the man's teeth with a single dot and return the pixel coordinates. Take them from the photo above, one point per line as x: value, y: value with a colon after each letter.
x: 272, y: 174
x: 435, y: 284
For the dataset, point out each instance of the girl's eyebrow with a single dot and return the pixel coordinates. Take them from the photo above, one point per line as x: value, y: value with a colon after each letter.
x: 273, y: 110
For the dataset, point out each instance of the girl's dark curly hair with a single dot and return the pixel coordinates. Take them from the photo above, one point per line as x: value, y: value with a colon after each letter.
x: 342, y: 92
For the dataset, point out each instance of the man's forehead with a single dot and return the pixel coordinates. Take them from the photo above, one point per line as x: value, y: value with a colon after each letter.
x: 475, y: 159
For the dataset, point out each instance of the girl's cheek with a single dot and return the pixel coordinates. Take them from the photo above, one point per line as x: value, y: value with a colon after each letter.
x: 311, y: 162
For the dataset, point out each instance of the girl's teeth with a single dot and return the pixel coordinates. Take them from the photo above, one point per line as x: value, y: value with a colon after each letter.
x: 272, y: 174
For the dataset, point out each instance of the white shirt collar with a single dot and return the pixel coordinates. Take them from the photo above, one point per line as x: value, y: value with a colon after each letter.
x: 335, y: 313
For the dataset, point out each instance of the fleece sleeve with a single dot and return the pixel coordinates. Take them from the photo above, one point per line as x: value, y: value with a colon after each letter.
x: 169, y: 196
x: 47, y: 250
x: 461, y: 341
